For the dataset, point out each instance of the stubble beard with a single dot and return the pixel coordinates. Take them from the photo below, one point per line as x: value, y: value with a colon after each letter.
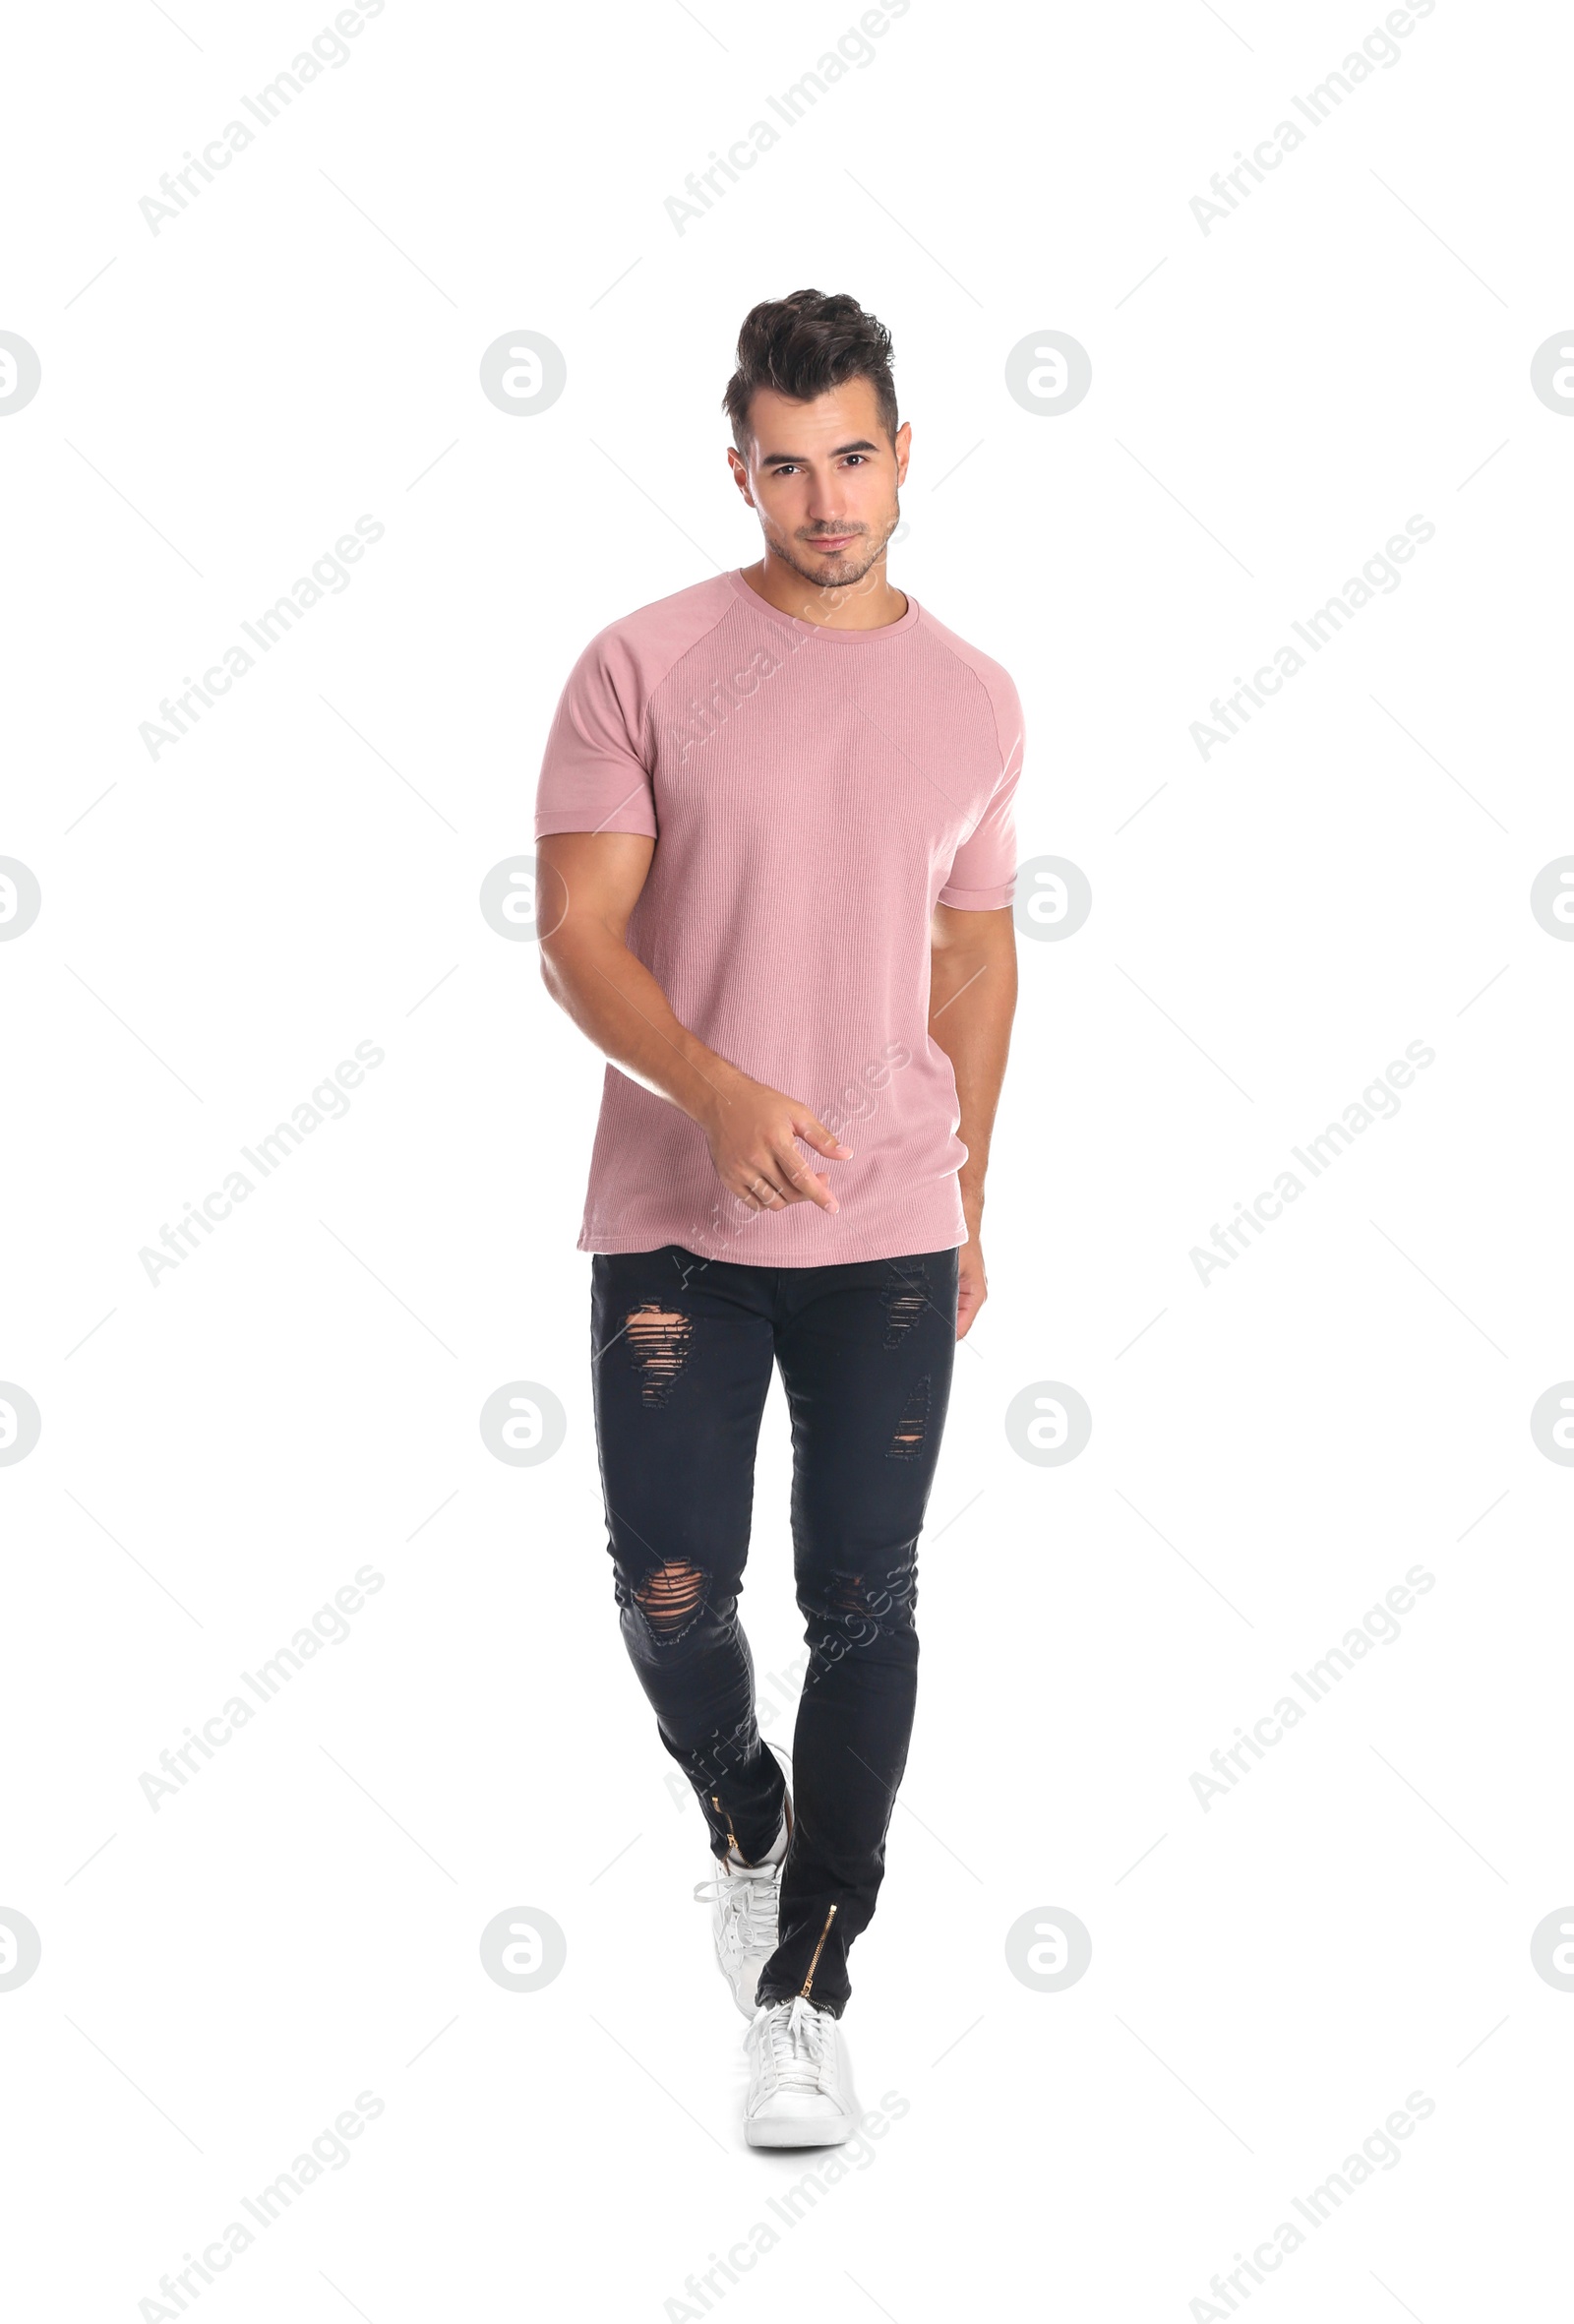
x: 854, y: 564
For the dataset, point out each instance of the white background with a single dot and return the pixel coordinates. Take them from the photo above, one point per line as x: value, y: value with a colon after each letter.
x: 1271, y: 401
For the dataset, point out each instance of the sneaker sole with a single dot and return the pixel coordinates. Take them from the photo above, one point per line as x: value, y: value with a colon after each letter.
x: 799, y: 2131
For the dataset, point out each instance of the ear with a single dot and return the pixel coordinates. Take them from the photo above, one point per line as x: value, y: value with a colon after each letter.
x: 740, y: 473
x: 904, y: 446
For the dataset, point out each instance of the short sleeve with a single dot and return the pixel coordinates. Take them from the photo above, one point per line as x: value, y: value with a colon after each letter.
x: 594, y: 776
x: 983, y: 873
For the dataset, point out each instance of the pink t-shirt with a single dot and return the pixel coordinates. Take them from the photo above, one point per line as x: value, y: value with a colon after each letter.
x: 813, y: 793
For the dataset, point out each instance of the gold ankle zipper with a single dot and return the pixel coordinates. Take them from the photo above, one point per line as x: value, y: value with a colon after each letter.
x: 715, y: 1801
x: 819, y: 1950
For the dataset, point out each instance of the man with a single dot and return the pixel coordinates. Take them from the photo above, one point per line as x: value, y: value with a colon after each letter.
x: 777, y: 866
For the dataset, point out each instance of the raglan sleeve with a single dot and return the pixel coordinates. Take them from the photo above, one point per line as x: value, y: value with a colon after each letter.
x: 983, y: 873
x: 595, y: 774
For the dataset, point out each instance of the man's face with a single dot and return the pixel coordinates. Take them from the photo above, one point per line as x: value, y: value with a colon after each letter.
x: 823, y: 478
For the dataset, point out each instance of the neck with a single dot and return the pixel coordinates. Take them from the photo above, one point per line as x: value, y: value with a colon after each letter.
x: 869, y: 603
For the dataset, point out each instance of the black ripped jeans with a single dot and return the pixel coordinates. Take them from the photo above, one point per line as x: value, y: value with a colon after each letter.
x: 682, y: 1352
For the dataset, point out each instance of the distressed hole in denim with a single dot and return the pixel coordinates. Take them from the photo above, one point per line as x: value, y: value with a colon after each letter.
x: 854, y: 1610
x: 671, y: 1596
x: 876, y: 1597
x: 905, y: 1300
x: 911, y: 1428
x: 658, y: 1347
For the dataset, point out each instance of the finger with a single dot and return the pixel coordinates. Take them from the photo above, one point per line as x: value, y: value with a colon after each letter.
x: 970, y: 1299
x: 809, y: 1186
x: 814, y: 1133
x: 762, y: 1190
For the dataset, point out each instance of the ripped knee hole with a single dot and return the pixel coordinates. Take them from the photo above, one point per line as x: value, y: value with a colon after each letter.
x: 671, y: 1596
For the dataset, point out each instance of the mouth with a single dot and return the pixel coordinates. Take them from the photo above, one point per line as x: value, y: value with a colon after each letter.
x: 831, y: 542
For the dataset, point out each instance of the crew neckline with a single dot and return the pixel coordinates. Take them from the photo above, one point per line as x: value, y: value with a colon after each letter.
x: 790, y: 621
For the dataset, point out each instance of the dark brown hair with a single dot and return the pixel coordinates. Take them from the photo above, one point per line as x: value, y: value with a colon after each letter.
x: 802, y: 346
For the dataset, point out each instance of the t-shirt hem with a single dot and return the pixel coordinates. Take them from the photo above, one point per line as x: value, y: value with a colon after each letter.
x: 704, y: 1246
x: 632, y: 821
x: 980, y: 900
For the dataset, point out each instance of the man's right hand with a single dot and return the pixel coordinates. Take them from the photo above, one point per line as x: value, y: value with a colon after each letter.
x: 589, y: 884
x: 751, y: 1129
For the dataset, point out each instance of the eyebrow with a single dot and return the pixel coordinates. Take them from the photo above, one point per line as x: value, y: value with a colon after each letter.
x: 771, y: 460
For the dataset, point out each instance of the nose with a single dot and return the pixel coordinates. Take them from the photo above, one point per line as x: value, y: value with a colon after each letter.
x: 826, y: 513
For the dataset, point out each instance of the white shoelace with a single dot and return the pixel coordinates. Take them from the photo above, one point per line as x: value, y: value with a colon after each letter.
x: 751, y: 1895
x: 800, y: 2044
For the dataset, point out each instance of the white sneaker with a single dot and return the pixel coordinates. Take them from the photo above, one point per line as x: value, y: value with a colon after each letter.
x: 746, y: 1899
x: 796, y: 2096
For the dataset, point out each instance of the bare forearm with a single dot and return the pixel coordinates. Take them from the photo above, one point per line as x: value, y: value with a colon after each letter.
x: 972, y: 1003
x: 588, y: 883
x: 616, y: 1003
